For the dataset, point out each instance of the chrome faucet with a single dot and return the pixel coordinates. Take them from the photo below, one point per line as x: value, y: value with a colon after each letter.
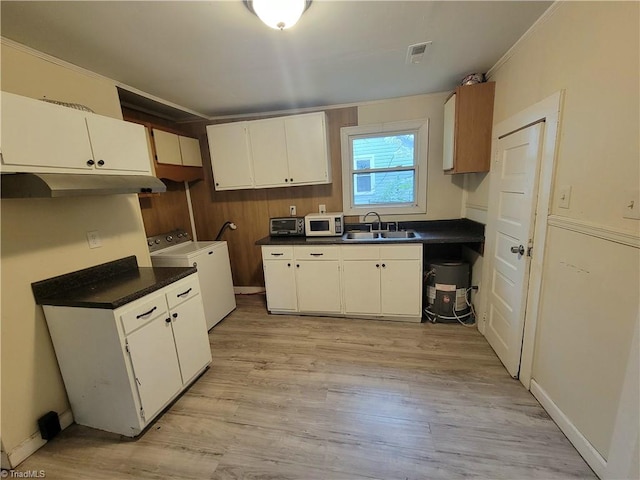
x: 364, y: 219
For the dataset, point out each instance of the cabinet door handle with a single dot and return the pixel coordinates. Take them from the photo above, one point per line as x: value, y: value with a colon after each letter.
x: 297, y: 265
x: 100, y: 163
x: 183, y: 293
x: 90, y: 162
x: 174, y: 315
x: 377, y: 265
x: 146, y: 313
x: 384, y: 266
x: 288, y: 264
x: 277, y: 254
x: 286, y: 180
x: 316, y: 254
x: 168, y: 319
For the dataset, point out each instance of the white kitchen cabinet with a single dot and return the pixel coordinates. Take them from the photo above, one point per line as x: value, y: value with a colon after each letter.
x: 318, y: 279
x: 47, y: 138
x: 282, y: 151
x: 383, y: 280
x: 230, y: 156
x: 280, y: 279
x: 269, y: 152
x: 307, y: 149
x: 122, y: 367
x: 172, y: 149
x: 370, y: 281
x: 190, y: 151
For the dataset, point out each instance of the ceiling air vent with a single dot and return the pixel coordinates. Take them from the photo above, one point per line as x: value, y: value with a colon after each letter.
x: 416, y: 52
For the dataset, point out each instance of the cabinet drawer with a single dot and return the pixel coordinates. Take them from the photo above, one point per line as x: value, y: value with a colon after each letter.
x: 142, y: 312
x: 361, y: 252
x: 277, y: 253
x: 316, y: 253
x: 401, y: 252
x: 183, y: 290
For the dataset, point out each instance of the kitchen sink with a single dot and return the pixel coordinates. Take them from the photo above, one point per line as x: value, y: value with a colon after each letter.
x: 402, y: 234
x: 360, y: 236
x: 379, y: 235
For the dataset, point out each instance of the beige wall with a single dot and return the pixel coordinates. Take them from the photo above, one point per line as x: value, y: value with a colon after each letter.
x: 444, y: 192
x: 42, y: 238
x: 589, y: 301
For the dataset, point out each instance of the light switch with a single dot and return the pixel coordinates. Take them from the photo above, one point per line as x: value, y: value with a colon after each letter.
x: 564, y: 196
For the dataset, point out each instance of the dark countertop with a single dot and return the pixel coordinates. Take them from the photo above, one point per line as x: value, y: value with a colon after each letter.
x: 108, y: 286
x: 435, y: 231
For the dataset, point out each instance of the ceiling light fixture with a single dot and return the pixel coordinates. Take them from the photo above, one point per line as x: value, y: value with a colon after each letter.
x: 278, y: 14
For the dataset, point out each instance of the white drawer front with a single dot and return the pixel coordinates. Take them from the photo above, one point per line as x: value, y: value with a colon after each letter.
x: 183, y: 290
x: 401, y: 252
x: 277, y: 253
x: 143, y: 312
x: 316, y: 253
x: 361, y: 252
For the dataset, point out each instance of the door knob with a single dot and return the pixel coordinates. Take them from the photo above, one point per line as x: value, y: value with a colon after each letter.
x: 519, y: 250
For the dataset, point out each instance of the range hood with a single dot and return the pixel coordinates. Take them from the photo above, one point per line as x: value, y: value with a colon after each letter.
x: 57, y: 185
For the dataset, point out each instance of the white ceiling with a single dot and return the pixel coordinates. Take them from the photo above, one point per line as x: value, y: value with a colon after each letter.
x: 217, y: 58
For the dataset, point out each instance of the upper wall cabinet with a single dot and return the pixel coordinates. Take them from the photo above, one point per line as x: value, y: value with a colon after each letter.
x: 275, y: 152
x: 230, y: 157
x: 172, y: 149
x: 468, y: 121
x: 47, y: 138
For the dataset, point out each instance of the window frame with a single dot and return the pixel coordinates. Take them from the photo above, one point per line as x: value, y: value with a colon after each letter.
x: 420, y: 128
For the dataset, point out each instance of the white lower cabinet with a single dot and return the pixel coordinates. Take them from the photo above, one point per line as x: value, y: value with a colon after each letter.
x: 122, y: 367
x: 383, y: 280
x: 372, y: 281
x: 280, y: 279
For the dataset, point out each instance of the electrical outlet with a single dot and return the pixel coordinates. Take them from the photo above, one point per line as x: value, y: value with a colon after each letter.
x: 564, y: 196
x: 631, y: 207
x: 94, y: 240
x: 322, y: 208
x: 292, y: 210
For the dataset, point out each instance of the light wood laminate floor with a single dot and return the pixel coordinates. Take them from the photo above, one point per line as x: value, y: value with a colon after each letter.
x: 293, y: 397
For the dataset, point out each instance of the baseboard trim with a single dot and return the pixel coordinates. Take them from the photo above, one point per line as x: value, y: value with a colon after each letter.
x: 588, y: 452
x: 248, y: 290
x: 29, y: 446
x: 603, y: 232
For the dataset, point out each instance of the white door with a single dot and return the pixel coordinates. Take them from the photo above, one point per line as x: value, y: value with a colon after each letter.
x: 40, y: 134
x: 216, y: 284
x: 167, y: 147
x: 361, y: 286
x: 190, y: 151
x: 280, y: 284
x: 118, y: 145
x: 155, y: 364
x: 230, y: 156
x: 318, y: 285
x: 192, y: 341
x: 269, y: 152
x: 401, y: 287
x: 307, y: 147
x: 512, y: 206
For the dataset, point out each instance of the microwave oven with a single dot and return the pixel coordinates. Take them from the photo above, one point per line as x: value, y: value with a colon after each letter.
x: 286, y: 227
x: 324, y: 224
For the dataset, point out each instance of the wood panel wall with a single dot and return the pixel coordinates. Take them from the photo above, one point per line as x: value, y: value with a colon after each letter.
x: 250, y: 210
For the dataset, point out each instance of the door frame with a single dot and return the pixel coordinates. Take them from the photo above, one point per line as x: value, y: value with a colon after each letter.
x: 549, y: 111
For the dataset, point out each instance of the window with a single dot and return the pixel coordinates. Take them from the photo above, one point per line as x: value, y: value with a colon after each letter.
x: 384, y: 168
